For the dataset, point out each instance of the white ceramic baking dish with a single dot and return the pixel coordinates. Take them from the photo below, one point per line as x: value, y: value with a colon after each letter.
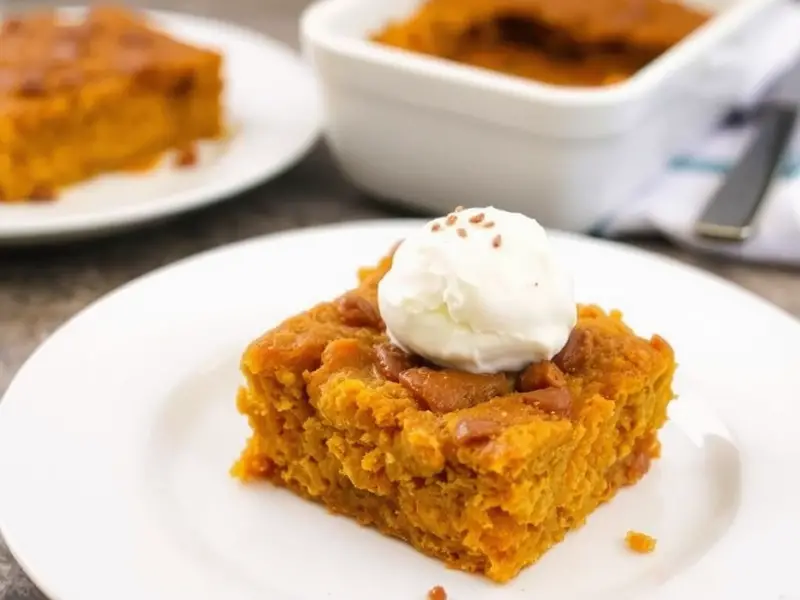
x: 435, y: 134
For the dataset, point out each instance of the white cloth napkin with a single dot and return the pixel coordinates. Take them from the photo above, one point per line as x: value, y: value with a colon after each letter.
x: 671, y: 204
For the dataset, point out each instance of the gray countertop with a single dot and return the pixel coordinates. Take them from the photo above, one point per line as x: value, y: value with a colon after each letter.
x: 42, y: 288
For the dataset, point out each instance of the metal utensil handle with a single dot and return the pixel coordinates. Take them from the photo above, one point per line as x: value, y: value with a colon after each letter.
x: 731, y: 213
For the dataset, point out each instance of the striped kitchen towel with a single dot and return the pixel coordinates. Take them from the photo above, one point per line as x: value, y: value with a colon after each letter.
x: 671, y: 204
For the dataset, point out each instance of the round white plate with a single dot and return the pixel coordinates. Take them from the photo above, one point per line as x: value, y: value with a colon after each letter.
x: 272, y: 109
x: 117, y: 435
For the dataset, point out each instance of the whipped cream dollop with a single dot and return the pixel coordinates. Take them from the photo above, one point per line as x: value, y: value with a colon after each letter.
x: 479, y: 290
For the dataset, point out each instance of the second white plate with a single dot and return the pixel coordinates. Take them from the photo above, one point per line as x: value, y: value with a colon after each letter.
x: 274, y: 115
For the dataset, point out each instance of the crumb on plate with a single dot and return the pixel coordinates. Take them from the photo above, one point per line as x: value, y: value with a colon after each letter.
x: 186, y: 157
x: 437, y: 593
x: 640, y: 543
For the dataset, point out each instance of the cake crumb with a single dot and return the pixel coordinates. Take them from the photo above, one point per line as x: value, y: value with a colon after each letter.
x: 437, y: 593
x: 451, y: 219
x: 186, y: 157
x: 461, y: 232
x: 641, y: 543
x: 497, y: 241
x: 436, y: 227
x: 42, y: 193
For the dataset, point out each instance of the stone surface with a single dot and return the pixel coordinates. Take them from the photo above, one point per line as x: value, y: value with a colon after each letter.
x: 41, y: 288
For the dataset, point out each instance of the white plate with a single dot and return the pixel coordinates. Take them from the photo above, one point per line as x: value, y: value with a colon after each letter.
x: 272, y: 107
x: 116, y: 439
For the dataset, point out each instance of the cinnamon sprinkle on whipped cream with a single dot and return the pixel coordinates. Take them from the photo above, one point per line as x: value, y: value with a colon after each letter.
x: 487, y: 296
